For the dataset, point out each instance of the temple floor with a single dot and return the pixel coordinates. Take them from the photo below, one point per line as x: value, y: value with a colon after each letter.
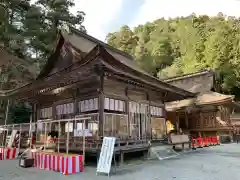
x: 214, y: 163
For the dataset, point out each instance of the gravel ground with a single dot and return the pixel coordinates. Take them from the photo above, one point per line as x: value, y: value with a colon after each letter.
x: 215, y: 163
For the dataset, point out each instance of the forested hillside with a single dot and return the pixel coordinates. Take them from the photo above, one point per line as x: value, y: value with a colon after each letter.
x: 29, y: 31
x: 181, y: 45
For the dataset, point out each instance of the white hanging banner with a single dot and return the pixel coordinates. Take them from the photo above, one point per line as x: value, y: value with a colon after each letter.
x: 106, y: 155
x: 69, y: 127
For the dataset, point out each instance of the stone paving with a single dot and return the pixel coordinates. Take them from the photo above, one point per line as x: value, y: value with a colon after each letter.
x: 214, y: 163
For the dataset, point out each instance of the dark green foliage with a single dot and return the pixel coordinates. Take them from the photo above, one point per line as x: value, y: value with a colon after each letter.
x: 176, y: 46
x: 29, y: 31
x: 19, y: 113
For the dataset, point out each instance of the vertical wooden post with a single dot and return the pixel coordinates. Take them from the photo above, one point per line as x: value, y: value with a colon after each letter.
x: 164, y: 111
x: 138, y: 120
x: 5, y: 123
x: 5, y: 144
x: 84, y: 140
x: 177, y: 122
x: 165, y: 119
x: 67, y: 149
x: 30, y: 131
x: 59, y: 127
x: 101, y: 103
x: 7, y: 112
x: 19, y: 141
x: 101, y: 119
x: 45, y: 134
x: 34, y: 113
x: 127, y: 112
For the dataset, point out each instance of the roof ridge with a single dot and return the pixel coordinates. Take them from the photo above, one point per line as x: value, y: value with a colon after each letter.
x: 189, y: 75
x: 91, y: 38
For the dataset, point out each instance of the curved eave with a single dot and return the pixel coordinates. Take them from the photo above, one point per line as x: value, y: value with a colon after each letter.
x: 112, y: 63
x: 162, y: 87
x: 198, y: 105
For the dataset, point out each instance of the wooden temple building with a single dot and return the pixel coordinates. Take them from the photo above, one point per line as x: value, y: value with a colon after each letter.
x: 235, y: 118
x: 85, y: 77
x: 206, y: 114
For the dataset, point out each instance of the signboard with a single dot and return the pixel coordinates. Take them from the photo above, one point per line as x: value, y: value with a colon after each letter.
x: 106, y: 155
x: 11, y: 138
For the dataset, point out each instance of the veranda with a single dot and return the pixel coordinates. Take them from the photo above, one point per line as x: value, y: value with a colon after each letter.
x: 48, y: 135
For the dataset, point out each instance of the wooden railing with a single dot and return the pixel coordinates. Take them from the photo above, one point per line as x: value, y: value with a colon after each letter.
x: 92, y: 144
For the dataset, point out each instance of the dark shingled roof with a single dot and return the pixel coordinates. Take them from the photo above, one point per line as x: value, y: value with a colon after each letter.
x: 199, y: 82
x: 190, y: 75
x: 85, y: 43
x: 201, y: 99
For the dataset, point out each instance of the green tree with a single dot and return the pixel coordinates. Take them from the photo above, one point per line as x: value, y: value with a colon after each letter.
x: 29, y: 31
x: 43, y: 20
x: 181, y: 45
x: 19, y: 113
x: 125, y: 40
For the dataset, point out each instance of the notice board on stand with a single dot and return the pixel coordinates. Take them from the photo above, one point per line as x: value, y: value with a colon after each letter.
x: 106, y: 155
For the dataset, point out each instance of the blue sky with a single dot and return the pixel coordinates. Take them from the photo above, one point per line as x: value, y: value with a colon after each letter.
x: 104, y: 16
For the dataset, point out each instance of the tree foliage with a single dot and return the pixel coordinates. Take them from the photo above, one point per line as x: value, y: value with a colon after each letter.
x: 181, y: 45
x: 29, y: 31
x: 19, y: 113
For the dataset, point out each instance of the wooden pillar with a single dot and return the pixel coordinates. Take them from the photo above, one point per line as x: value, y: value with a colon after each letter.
x: 127, y: 112
x: 101, y: 104
x: 149, y: 117
x: 164, y: 111
x: 186, y: 120
x: 7, y: 112
x: 201, y: 120
x: 177, y: 122
x: 34, y: 112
